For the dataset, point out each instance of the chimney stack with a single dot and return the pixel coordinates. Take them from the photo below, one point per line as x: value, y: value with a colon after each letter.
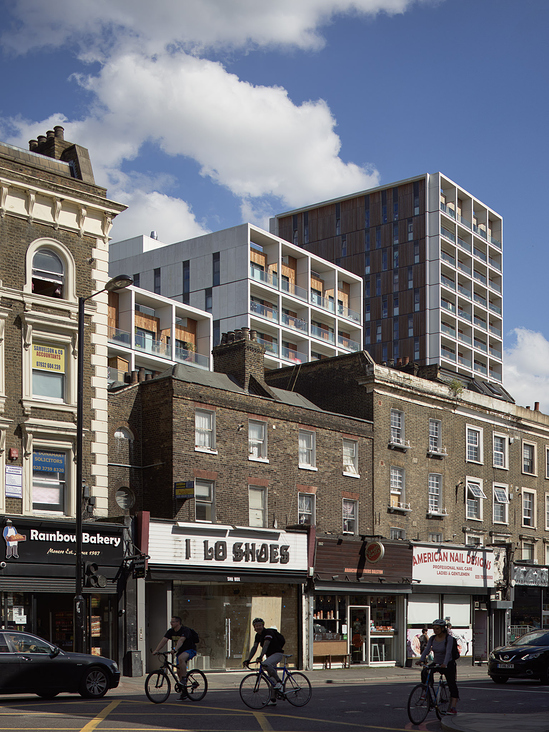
x: 241, y: 356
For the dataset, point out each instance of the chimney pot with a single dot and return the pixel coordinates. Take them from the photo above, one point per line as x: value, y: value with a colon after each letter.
x: 245, y: 333
x: 536, y: 406
x: 50, y: 133
x: 230, y: 336
x: 238, y: 335
x: 135, y: 377
x: 33, y: 144
x: 253, y: 335
x: 41, y: 139
x: 406, y: 360
x: 59, y: 132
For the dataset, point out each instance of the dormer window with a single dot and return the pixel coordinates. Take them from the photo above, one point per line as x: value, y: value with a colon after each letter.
x: 48, y: 276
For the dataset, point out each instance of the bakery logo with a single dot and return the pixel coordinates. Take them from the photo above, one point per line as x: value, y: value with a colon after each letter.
x: 12, y: 538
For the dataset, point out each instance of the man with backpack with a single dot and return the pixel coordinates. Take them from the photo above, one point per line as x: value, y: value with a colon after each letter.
x: 272, y: 644
x: 445, y: 651
x: 184, y: 642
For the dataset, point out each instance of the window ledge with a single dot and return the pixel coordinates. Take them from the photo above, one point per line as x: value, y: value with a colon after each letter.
x: 351, y: 475
x: 29, y: 404
x: 437, y: 514
x: 400, y: 445
x: 401, y: 508
x: 308, y: 467
x: 500, y: 467
x: 471, y: 518
x: 205, y: 450
x: 258, y: 460
x: 437, y: 453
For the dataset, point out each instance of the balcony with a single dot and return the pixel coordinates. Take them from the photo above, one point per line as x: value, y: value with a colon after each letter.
x: 495, y: 353
x: 398, y: 443
x: 480, y: 277
x: 293, y: 355
x: 448, y: 258
x: 480, y: 254
x: 290, y: 321
x: 448, y: 330
x: 447, y: 305
x: 322, y: 302
x: 437, y: 512
x: 120, y: 336
x: 191, y: 357
x: 462, y: 338
x: 264, y: 311
x: 495, y: 263
x: 496, y: 331
x: 345, y: 342
x: 495, y: 375
x: 465, y: 315
x: 466, y: 362
x: 447, y: 210
x: 294, y: 290
x: 480, y: 368
x: 271, y: 347
x: 495, y: 308
x: 495, y: 242
x: 480, y: 300
x: 150, y: 345
x: 437, y: 452
x: 464, y: 268
x: 447, y: 282
x: 267, y: 278
x: 479, y: 322
x: 447, y: 353
x: 481, y: 346
x: 348, y: 313
x: 495, y: 286
x: 323, y: 333
x: 448, y: 234
x: 464, y: 245
x: 398, y: 507
x: 464, y: 222
x: 480, y: 232
x: 465, y: 291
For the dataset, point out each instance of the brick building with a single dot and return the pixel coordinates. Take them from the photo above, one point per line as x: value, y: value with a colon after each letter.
x: 231, y: 471
x: 456, y: 463
x: 54, y: 227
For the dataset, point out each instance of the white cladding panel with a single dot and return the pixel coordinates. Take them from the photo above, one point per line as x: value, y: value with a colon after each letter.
x: 226, y: 548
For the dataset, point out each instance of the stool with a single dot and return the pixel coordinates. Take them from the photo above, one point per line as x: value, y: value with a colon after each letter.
x: 376, y: 655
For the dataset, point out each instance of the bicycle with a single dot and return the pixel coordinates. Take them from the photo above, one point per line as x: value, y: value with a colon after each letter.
x: 256, y: 688
x: 425, y: 697
x: 158, y: 684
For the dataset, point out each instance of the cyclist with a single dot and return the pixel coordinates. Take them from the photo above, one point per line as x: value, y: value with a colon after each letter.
x: 441, y: 644
x: 184, y: 648
x: 271, y: 646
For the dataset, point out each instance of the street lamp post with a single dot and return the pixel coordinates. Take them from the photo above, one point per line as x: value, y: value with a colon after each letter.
x: 117, y: 283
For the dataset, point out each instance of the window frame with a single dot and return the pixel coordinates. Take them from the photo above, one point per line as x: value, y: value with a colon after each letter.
x: 505, y: 453
x: 300, y: 512
x: 397, y: 484
x: 262, y: 456
x: 498, y: 502
x: 480, y: 444
x: 69, y: 268
x: 533, y: 493
x: 547, y: 512
x: 354, y: 503
x: 438, y: 510
x: 211, y: 448
x: 523, y: 544
x: 353, y: 473
x: 311, y: 465
x: 435, y: 448
x: 210, y: 502
x: 398, y: 432
x: 473, y: 535
x: 65, y: 487
x: 471, y: 483
x: 397, y: 534
x: 260, y: 490
x: 533, y: 445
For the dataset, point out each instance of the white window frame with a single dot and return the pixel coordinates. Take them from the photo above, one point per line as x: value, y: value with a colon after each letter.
x: 436, y: 537
x: 398, y: 434
x: 474, y: 493
x: 435, y: 435
x: 547, y: 512
x: 547, y: 461
x: 261, y: 511
x: 533, y: 510
x: 498, y: 501
x: 397, y: 534
x: 546, y: 554
x: 353, y: 517
x: 209, y: 433
x: 307, y: 453
x: 432, y: 508
x: 69, y: 267
x: 527, y: 443
x: 398, y: 483
x: 524, y: 543
x: 471, y: 535
x: 257, y: 447
x: 48, y: 481
x: 469, y: 430
x: 350, y: 457
x: 302, y: 513
x: 208, y: 502
x: 504, y: 454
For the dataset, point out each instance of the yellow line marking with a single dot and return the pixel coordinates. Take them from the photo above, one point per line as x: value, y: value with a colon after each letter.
x: 262, y: 721
x: 93, y: 723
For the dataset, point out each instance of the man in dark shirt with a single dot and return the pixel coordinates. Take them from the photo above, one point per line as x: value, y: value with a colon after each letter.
x: 183, y: 646
x: 271, y: 647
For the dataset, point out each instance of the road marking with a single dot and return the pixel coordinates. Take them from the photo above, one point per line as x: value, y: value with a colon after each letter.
x: 92, y: 724
x: 262, y: 721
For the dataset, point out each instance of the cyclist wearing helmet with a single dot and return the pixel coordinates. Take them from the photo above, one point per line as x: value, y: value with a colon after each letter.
x: 440, y: 644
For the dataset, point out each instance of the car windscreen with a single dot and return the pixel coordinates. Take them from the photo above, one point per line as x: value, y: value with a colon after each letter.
x: 536, y: 638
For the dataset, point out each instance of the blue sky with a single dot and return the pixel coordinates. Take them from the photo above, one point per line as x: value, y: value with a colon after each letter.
x: 206, y: 113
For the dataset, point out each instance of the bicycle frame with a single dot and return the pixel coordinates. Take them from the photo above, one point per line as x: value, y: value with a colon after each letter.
x: 434, y: 693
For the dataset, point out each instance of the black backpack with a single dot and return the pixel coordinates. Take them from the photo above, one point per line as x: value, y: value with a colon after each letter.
x: 455, y: 649
x: 194, y: 636
x: 281, y: 639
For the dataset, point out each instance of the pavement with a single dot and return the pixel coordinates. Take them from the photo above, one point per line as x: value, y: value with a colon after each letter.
x: 462, y: 722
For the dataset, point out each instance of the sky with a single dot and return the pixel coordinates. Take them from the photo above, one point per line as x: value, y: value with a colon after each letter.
x: 202, y: 114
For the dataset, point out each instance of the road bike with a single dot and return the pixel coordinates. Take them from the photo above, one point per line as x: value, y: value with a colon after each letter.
x: 256, y: 689
x: 429, y: 695
x: 158, y: 684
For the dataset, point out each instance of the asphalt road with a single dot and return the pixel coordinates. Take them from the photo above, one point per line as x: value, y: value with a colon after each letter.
x: 343, y: 705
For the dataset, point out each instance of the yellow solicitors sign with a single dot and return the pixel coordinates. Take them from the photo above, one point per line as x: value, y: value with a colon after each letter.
x: 48, y: 358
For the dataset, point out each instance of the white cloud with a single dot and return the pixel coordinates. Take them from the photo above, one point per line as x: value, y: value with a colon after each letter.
x: 526, y: 369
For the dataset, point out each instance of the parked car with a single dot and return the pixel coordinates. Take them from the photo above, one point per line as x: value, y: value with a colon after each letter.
x: 31, y: 665
x: 526, y: 657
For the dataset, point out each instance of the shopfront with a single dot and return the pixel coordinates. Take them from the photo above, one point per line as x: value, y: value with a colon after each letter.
x: 217, y: 579
x: 358, y: 603
x: 455, y: 583
x: 37, y: 580
x: 531, y: 599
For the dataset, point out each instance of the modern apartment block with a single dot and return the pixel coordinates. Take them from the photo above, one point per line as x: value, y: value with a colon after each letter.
x: 148, y: 333
x: 302, y: 307
x: 431, y: 257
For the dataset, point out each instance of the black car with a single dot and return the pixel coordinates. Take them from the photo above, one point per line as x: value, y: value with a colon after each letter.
x: 526, y: 657
x: 31, y: 665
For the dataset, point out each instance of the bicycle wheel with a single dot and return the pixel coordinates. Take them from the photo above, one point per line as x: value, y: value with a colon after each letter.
x: 297, y: 689
x: 255, y: 691
x: 196, y: 685
x: 443, y: 700
x: 418, y: 704
x: 158, y: 686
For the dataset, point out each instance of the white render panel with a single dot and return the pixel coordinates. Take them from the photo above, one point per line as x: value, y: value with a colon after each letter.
x: 226, y: 548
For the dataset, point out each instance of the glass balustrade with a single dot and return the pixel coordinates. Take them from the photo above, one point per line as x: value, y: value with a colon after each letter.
x: 464, y: 221
x: 495, y: 353
x: 266, y: 278
x: 464, y: 245
x: 481, y: 346
x: 152, y: 346
x: 119, y: 336
x: 447, y: 210
x: 197, y: 359
x: 270, y: 346
x: 447, y: 305
x: 465, y: 338
x: 264, y: 311
x: 294, y: 290
x: 481, y: 300
x: 448, y: 330
x: 480, y: 254
x: 496, y: 331
x: 494, y: 263
x: 480, y: 368
x: 464, y: 268
x: 495, y: 308
x: 448, y: 258
x: 348, y: 313
x: 447, y: 282
x: 448, y: 234
x: 323, y: 333
x: 465, y: 315
x: 291, y: 354
x: 292, y: 322
x: 464, y: 362
x: 322, y: 302
x: 345, y: 342
x: 481, y: 323
x: 495, y: 242
x: 495, y: 286
x: 464, y: 291
x: 447, y: 353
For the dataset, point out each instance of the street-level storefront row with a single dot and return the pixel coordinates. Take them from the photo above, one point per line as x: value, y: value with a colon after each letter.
x: 217, y: 578
x: 357, y: 610
x: 531, y: 599
x: 37, y: 580
x: 454, y: 582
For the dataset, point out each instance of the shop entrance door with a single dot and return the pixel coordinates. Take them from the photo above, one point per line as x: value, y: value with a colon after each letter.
x: 237, y: 620
x: 358, y: 622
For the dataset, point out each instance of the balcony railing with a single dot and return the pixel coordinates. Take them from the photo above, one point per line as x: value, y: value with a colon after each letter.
x: 465, y: 291
x: 348, y: 313
x: 495, y: 353
x: 479, y: 231
x: 152, y: 346
x: 264, y: 311
x: 448, y: 258
x: 464, y: 244
x: 447, y: 210
x: 291, y: 354
x: 322, y: 302
x: 294, y: 290
x: 480, y: 277
x: 465, y: 315
x: 267, y: 278
x: 115, y: 376
x: 448, y: 329
x: 464, y: 362
x: 495, y: 308
x: 464, y: 267
x: 323, y: 333
x: 446, y: 353
x: 447, y: 282
x: 496, y: 264
x: 191, y: 357
x: 495, y: 242
x: 479, y: 253
x: 481, y: 346
x: 495, y: 331
x: 120, y: 336
x: 292, y: 322
x: 270, y: 346
x: 495, y: 286
x: 481, y: 300
x: 447, y: 305
x: 345, y: 342
x: 465, y: 338
x: 495, y: 375
x: 448, y: 234
x: 479, y: 322
x: 463, y: 221
x: 480, y: 368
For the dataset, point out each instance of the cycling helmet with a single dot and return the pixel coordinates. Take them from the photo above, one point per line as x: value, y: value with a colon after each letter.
x: 440, y: 622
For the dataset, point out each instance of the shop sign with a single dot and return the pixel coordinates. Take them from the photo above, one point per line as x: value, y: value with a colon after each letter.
x: 227, y: 548
x: 531, y: 576
x: 375, y: 551
x: 48, y: 358
x: 48, y: 462
x: 43, y: 542
x: 462, y: 566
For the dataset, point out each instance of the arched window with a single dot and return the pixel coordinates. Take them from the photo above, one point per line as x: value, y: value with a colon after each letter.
x: 123, y: 433
x: 48, y: 275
